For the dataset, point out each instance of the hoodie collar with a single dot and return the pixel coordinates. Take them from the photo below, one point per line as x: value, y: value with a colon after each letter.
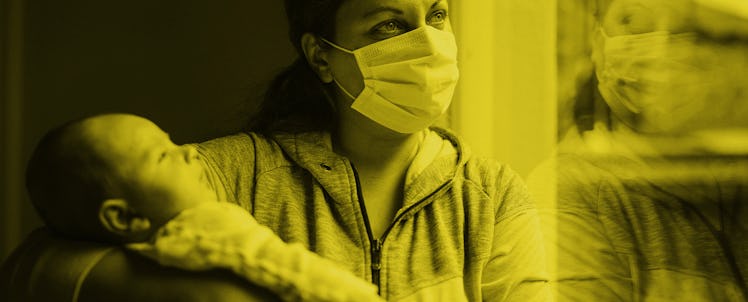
x: 313, y: 152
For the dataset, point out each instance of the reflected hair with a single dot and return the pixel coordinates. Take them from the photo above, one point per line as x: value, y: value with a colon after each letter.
x: 296, y: 99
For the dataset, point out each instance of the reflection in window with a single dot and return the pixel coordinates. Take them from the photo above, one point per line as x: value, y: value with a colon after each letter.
x: 652, y: 162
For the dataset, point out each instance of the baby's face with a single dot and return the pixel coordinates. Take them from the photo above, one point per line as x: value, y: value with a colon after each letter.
x: 156, y: 176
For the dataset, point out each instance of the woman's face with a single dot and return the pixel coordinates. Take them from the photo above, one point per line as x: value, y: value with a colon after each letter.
x: 362, y: 22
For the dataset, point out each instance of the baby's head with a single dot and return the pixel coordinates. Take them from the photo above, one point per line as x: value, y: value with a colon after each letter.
x: 113, y: 177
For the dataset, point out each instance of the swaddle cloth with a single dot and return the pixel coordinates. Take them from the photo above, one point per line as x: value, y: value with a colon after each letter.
x: 223, y: 235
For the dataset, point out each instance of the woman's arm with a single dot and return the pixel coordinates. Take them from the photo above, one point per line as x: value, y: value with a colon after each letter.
x: 231, y: 165
x: 516, y: 269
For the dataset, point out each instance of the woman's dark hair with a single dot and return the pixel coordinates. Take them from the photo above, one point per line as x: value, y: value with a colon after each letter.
x: 296, y: 99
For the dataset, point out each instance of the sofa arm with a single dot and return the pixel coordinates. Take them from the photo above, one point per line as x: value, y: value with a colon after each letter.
x: 48, y: 268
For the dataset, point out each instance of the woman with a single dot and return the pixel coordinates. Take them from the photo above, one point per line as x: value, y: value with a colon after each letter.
x: 341, y: 159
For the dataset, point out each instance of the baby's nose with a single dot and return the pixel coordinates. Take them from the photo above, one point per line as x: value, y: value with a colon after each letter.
x: 190, y: 153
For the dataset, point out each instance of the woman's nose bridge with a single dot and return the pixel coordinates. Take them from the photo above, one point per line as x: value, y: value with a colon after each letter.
x: 418, y: 13
x: 419, y: 21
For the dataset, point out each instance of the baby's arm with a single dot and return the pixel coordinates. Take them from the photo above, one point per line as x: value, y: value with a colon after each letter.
x: 222, y: 235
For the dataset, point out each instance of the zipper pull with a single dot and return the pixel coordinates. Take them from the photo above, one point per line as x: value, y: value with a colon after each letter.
x: 376, y: 257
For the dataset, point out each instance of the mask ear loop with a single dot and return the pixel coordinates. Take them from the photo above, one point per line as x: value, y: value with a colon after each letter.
x: 325, y: 89
x: 343, y: 89
x: 334, y: 78
x: 602, y: 112
x: 336, y: 46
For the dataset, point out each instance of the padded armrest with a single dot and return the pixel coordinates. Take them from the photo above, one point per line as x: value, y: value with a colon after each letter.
x: 48, y: 268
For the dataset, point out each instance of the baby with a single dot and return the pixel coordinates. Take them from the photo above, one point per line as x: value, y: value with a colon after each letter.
x: 118, y: 178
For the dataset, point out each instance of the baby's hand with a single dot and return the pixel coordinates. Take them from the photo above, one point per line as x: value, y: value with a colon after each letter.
x: 332, y: 283
x: 225, y: 236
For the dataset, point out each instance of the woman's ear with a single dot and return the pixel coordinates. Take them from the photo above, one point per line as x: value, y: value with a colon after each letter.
x: 316, y: 55
x: 118, y: 217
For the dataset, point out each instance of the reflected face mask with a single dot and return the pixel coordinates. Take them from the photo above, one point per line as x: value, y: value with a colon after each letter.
x: 409, y: 79
x: 660, y: 82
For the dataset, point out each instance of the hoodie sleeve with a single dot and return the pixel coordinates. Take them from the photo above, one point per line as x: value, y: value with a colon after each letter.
x: 230, y: 165
x: 516, y: 267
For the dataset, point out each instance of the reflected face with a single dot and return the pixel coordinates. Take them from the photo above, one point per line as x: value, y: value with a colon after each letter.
x: 362, y: 22
x: 156, y: 176
x: 661, y: 74
x: 641, y: 16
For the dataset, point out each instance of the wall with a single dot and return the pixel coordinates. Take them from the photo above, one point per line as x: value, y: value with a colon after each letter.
x: 194, y: 67
x: 505, y: 104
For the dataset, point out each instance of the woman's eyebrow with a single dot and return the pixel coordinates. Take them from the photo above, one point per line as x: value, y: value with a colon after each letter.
x: 436, y: 3
x: 383, y: 9
x: 393, y: 9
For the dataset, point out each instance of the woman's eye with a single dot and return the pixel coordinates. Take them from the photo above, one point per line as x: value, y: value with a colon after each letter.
x: 634, y: 19
x: 389, y: 28
x: 437, y: 18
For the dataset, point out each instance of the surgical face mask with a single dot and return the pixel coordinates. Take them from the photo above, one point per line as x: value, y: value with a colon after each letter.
x: 660, y: 82
x: 408, y: 79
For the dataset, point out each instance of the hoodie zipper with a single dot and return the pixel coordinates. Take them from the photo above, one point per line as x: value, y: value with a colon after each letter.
x: 377, y: 244
x: 376, y: 262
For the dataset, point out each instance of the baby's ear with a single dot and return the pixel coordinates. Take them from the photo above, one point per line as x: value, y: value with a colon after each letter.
x: 118, y: 217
